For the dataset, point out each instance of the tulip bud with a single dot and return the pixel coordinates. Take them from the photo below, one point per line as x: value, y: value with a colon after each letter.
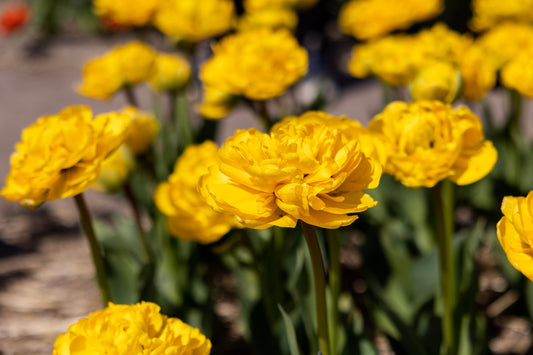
x: 437, y: 81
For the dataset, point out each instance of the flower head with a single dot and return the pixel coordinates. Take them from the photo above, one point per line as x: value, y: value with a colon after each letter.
x: 172, y: 72
x: 437, y: 80
x: 131, y: 329
x: 396, y: 59
x: 517, y: 74
x: 506, y: 41
x: 143, y: 129
x: 270, y: 17
x: 514, y: 232
x: 393, y: 59
x: 215, y: 103
x: 478, y: 71
x: 13, y: 17
x: 488, y: 13
x: 258, y: 64
x: 115, y: 170
x: 368, y: 19
x: 61, y: 155
x: 308, y: 168
x: 428, y: 141
x: 125, y: 12
x: 189, y: 217
x: 124, y: 65
x: 193, y: 20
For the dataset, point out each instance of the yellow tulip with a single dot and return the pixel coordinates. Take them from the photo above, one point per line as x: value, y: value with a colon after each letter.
x: 131, y: 329
x: 517, y: 74
x: 172, y: 72
x: 124, y: 65
x: 514, y: 232
x: 126, y: 12
x: 428, y: 141
x: 61, y: 155
x: 307, y: 169
x: 438, y: 80
x: 143, y: 129
x: 369, y: 19
x: 258, y: 64
x: 189, y: 217
x: 270, y: 17
x: 488, y: 13
x: 396, y: 59
x: 115, y: 170
x: 506, y: 41
x: 215, y: 103
x: 193, y: 20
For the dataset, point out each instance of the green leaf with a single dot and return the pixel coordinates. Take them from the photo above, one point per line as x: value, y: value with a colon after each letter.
x: 291, y: 334
x: 411, y: 344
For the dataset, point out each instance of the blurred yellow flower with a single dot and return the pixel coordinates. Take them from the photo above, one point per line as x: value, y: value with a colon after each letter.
x: 101, y: 78
x: 258, y: 64
x: 189, y: 217
x: 270, y: 17
x: 442, y: 43
x: 369, y: 19
x: 125, y: 12
x: 488, y: 13
x: 396, y: 59
x: 193, y: 20
x: 437, y: 80
x: 171, y: 72
x: 505, y: 41
x: 393, y: 59
x: 143, y: 129
x: 517, y: 74
x: 306, y: 169
x: 131, y: 329
x: 428, y: 141
x: 215, y: 103
x: 61, y: 155
x: 115, y: 170
x: 514, y: 232
x: 479, y: 72
x: 258, y: 5
x: 124, y: 65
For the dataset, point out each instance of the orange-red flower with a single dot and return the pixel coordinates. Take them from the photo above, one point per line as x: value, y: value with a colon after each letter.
x: 13, y: 17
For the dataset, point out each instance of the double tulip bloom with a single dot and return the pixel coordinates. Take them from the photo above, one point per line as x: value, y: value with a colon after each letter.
x: 311, y: 168
x: 189, y: 217
x: 61, y: 155
x: 374, y: 18
x: 123, y: 66
x: 428, y: 141
x: 131, y: 329
x: 257, y: 64
x: 515, y: 232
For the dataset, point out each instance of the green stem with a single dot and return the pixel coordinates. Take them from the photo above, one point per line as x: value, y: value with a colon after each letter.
x: 443, y: 204
x: 262, y: 111
x: 96, y: 251
x: 130, y: 195
x: 334, y: 283
x: 515, y: 100
x: 320, y: 287
x: 181, y: 119
x: 130, y: 96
